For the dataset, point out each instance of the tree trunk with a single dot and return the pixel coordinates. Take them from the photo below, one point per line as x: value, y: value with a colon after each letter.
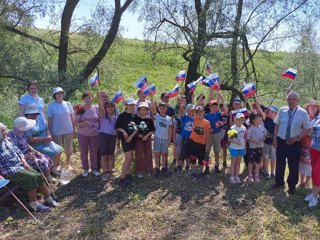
x: 64, y: 39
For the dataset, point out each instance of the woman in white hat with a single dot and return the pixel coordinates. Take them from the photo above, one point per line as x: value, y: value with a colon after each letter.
x: 61, y: 121
x: 33, y: 157
x: 39, y: 137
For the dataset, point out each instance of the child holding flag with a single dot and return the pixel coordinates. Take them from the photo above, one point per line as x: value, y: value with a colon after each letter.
x: 162, y: 137
x: 198, y: 140
x: 236, y: 137
x: 127, y: 130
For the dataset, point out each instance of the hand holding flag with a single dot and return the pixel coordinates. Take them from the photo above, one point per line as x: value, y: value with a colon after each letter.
x: 142, y: 82
x: 208, y: 68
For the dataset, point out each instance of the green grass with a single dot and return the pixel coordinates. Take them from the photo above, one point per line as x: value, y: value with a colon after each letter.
x: 168, y: 208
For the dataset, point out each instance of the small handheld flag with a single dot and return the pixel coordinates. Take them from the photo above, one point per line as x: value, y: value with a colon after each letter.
x: 208, y: 81
x: 248, y: 90
x: 290, y: 73
x: 241, y: 110
x: 216, y: 82
x: 181, y: 76
x: 192, y: 86
x: 118, y: 97
x: 142, y: 82
x: 208, y: 68
x: 150, y: 90
x: 94, y: 80
x: 174, y: 92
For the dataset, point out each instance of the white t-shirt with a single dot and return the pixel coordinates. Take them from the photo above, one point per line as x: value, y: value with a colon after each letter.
x: 256, y: 133
x: 241, y: 137
x: 162, y: 124
x: 60, y: 114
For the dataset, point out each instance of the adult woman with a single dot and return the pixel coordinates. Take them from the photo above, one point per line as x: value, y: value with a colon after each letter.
x: 88, y: 133
x: 312, y: 198
x: 40, y: 139
x: 34, y: 158
x: 31, y: 98
x: 305, y: 161
x: 61, y: 122
x: 14, y: 167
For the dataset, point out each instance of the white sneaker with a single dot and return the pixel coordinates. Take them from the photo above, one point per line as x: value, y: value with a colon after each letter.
x: 238, y: 180
x: 140, y: 175
x: 85, y: 173
x: 96, y: 173
x: 233, y: 180
x: 313, y: 202
x: 308, y: 197
x: 51, y: 179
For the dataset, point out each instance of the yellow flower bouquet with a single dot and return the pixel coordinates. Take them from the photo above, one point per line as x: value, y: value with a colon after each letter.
x: 232, y: 133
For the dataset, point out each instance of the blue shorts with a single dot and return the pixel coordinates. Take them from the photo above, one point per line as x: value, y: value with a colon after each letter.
x: 237, y: 152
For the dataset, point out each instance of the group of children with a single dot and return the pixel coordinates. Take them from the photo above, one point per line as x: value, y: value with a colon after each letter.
x: 193, y: 129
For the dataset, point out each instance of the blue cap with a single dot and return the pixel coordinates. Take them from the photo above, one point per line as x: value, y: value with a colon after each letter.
x: 237, y: 100
x: 273, y: 108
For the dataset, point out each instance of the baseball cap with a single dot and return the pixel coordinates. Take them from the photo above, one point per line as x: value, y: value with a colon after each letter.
x: 199, y: 108
x: 163, y: 104
x: 143, y: 104
x: 213, y: 102
x: 239, y: 115
x: 273, y: 108
x: 237, y: 100
x: 164, y: 94
x: 190, y: 106
x: 31, y: 109
x: 130, y: 101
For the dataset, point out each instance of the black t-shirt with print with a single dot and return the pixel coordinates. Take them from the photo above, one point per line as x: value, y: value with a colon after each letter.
x: 126, y: 121
x: 145, y: 125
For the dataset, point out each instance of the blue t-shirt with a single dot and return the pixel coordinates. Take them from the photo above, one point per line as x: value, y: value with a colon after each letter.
x: 28, y: 99
x: 269, y: 125
x: 187, y: 123
x: 213, y: 118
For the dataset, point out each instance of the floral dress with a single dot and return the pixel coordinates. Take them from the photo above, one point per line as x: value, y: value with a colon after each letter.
x: 21, y: 142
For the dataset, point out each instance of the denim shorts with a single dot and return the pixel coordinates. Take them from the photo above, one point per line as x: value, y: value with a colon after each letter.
x: 160, y: 145
x: 237, y: 152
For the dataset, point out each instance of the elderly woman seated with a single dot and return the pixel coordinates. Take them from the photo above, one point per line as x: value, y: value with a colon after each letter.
x: 14, y: 167
x: 33, y: 157
x: 39, y: 137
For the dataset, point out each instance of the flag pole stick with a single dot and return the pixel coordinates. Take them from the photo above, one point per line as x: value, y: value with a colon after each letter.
x: 24, y: 207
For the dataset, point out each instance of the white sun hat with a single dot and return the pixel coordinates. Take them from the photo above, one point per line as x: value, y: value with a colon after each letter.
x: 24, y: 124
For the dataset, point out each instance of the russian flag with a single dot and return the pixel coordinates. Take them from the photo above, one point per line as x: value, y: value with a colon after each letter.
x: 216, y: 82
x: 150, y: 90
x: 241, y: 110
x: 181, y: 76
x: 142, y: 82
x: 248, y: 90
x: 94, y: 80
x: 290, y: 73
x: 208, y: 68
x: 118, y: 97
x: 192, y: 86
x: 208, y: 81
x: 174, y: 92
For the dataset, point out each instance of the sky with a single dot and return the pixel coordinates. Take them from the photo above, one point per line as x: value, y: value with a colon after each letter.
x: 132, y: 28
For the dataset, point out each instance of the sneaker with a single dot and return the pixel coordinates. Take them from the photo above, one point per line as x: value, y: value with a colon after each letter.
x: 224, y: 164
x: 257, y: 179
x: 41, y: 208
x: 238, y: 180
x: 52, y: 204
x: 96, y: 173
x: 51, y: 179
x: 291, y: 190
x: 125, y: 181
x: 313, y: 202
x: 233, y: 180
x: 85, y: 173
x: 216, y: 169
x: 140, y: 175
x: 266, y: 175
x: 250, y: 179
x: 308, y: 197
